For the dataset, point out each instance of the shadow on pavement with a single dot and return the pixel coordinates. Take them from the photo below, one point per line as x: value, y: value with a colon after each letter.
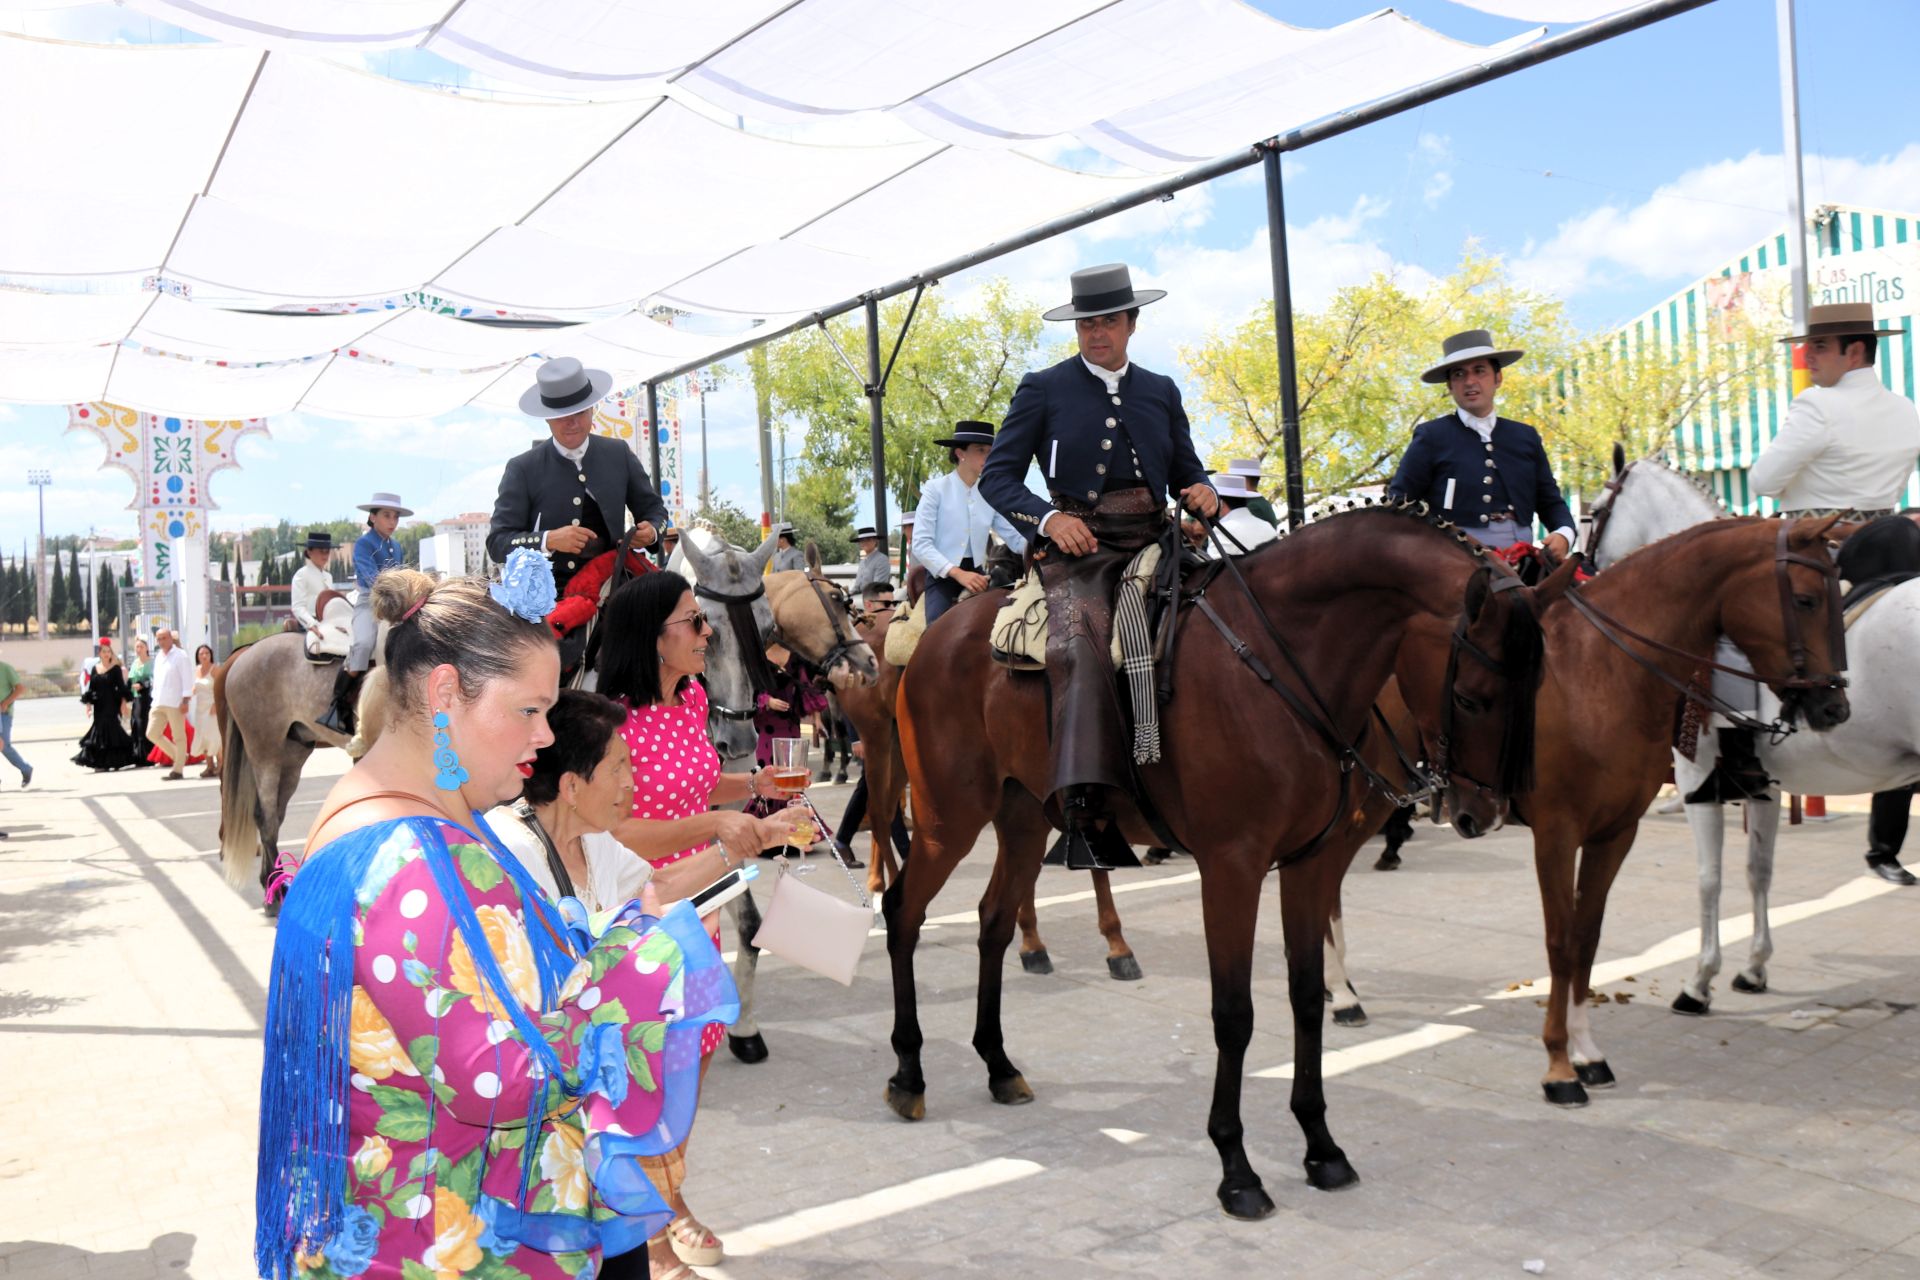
x: 168, y: 1255
x: 44, y: 916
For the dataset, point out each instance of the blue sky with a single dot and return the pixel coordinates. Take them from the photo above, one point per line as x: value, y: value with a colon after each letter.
x: 1611, y: 177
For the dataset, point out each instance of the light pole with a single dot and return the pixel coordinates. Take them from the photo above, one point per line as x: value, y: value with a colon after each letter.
x: 93, y: 586
x: 700, y: 383
x: 40, y: 480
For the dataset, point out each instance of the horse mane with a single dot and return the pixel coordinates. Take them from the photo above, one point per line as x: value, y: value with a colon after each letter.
x: 1412, y: 510
x: 1659, y: 458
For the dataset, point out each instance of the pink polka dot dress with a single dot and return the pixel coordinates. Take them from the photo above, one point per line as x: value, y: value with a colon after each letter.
x: 674, y: 771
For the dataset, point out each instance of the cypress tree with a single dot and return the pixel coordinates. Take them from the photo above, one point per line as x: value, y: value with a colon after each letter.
x: 108, y: 593
x: 77, y: 602
x: 57, y: 597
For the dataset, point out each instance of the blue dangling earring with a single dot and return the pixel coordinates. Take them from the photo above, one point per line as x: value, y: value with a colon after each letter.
x: 452, y: 776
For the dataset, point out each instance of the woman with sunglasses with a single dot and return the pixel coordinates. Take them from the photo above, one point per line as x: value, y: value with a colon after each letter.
x: 654, y: 645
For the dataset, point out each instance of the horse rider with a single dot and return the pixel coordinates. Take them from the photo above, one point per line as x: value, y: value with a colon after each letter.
x: 875, y: 566
x: 311, y: 580
x: 1487, y: 474
x: 1847, y: 445
x: 1111, y: 438
x: 954, y: 520
x: 786, y: 555
x: 373, y: 554
x: 565, y: 493
x: 1240, y: 529
x: 1249, y: 469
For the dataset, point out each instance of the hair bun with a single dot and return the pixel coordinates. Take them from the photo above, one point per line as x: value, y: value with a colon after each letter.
x: 398, y: 592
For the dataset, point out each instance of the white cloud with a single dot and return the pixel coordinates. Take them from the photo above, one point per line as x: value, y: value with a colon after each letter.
x: 1438, y: 185
x: 1705, y: 216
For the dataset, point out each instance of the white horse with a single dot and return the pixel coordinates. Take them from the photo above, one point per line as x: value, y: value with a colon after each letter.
x: 1876, y: 749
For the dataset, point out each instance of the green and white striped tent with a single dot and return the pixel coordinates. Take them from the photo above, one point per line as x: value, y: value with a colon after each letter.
x: 1856, y: 255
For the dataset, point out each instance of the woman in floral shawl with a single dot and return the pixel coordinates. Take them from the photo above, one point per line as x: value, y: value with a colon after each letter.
x: 458, y: 1080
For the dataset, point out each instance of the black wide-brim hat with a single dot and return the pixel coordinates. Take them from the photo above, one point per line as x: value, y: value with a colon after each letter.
x: 319, y: 540
x: 966, y: 433
x: 1101, y: 291
x: 564, y: 386
x: 1840, y: 320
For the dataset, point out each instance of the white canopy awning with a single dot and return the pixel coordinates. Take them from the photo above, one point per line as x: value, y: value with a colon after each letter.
x: 260, y: 227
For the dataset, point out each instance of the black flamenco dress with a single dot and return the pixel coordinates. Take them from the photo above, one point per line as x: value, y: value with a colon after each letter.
x: 107, y: 745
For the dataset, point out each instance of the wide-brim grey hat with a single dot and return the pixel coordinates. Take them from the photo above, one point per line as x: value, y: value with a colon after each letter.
x: 1101, y: 291
x: 1840, y: 320
x: 1229, y: 484
x: 1474, y: 344
x: 866, y: 533
x: 388, y: 500
x: 563, y: 386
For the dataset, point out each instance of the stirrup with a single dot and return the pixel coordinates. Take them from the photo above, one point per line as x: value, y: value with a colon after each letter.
x: 1723, y: 786
x: 1084, y: 848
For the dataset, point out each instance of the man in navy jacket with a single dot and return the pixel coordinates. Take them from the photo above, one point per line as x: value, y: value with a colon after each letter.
x: 1487, y: 474
x: 1111, y: 440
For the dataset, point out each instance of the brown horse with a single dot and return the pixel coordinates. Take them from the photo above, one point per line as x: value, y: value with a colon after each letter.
x: 1245, y: 783
x: 871, y: 711
x: 1606, y: 722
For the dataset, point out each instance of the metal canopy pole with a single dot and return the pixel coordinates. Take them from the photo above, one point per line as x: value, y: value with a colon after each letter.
x: 1283, y: 341
x: 1796, y: 179
x: 1644, y: 15
x: 653, y: 437
x: 876, y: 396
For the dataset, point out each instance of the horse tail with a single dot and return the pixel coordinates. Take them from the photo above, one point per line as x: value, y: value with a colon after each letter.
x: 239, y: 828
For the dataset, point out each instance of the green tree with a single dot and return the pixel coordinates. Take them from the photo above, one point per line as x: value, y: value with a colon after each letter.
x: 14, y: 584
x: 109, y: 595
x: 57, y: 595
x: 735, y: 525
x: 953, y: 365
x: 1359, y: 365
x: 78, y: 605
x: 820, y: 506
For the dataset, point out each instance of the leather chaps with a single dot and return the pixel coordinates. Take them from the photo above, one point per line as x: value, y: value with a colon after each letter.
x: 1087, y: 731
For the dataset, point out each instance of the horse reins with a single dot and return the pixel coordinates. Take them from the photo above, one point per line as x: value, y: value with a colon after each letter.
x: 746, y: 634
x: 845, y: 640
x: 1618, y: 633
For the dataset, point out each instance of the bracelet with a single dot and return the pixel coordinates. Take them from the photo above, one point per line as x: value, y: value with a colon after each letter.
x: 753, y: 776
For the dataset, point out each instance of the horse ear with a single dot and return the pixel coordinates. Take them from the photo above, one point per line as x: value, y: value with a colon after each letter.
x: 1809, y: 532
x: 1619, y: 457
x: 1556, y: 583
x: 1479, y: 591
x: 695, y: 555
x: 763, y: 554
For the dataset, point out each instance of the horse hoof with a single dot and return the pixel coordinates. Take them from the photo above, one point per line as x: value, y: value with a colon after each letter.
x: 1010, y: 1091
x: 1565, y: 1093
x: 1687, y: 1005
x: 1351, y: 1016
x: 1388, y: 861
x: 1742, y: 983
x: 908, y: 1106
x: 1036, y: 961
x: 1249, y: 1204
x: 1331, y: 1175
x: 751, y: 1048
x: 1595, y: 1075
x: 1123, y: 968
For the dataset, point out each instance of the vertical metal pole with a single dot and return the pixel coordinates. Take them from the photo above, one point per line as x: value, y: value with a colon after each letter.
x: 40, y: 480
x: 653, y: 435
x: 1796, y: 180
x: 1283, y: 342
x: 706, y: 476
x: 763, y: 417
x: 876, y: 395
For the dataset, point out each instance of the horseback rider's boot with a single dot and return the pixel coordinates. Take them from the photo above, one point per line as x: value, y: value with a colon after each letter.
x: 346, y: 691
x: 1737, y: 776
x: 1090, y: 842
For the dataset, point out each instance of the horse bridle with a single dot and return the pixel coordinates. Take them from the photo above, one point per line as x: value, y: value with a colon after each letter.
x: 746, y: 634
x: 845, y: 638
x: 1441, y: 757
x: 1610, y: 493
x: 1799, y: 682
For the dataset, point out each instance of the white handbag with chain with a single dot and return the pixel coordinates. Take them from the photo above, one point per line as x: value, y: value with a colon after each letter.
x: 812, y: 928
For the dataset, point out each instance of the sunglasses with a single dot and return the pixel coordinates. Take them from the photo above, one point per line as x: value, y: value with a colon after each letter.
x: 698, y: 621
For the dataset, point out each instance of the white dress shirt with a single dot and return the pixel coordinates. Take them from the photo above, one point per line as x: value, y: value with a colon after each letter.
x: 1483, y: 427
x: 614, y: 872
x: 308, y: 583
x: 172, y: 677
x: 1248, y: 529
x: 952, y: 523
x: 1849, y: 445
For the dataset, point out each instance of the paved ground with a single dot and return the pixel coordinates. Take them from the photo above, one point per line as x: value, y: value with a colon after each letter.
x: 1780, y: 1136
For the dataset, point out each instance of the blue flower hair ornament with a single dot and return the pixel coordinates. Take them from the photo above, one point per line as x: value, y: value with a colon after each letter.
x: 526, y: 587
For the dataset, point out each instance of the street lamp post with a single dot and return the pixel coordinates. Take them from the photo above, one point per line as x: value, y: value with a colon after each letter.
x: 40, y: 480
